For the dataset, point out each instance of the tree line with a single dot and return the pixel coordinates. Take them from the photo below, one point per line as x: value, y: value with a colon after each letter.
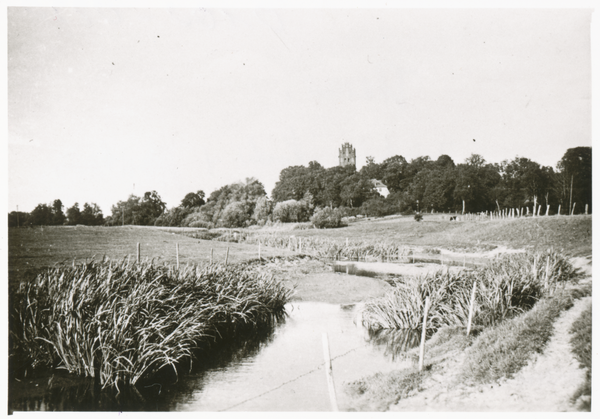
x: 418, y: 185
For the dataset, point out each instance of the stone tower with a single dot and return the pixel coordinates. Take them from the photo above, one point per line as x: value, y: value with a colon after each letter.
x: 347, y: 155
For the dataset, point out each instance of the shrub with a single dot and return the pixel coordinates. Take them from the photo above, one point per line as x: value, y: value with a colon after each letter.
x: 235, y: 214
x: 291, y: 211
x: 327, y: 218
x: 418, y: 217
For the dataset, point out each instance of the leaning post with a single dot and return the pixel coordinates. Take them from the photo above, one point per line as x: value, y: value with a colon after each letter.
x: 423, y: 335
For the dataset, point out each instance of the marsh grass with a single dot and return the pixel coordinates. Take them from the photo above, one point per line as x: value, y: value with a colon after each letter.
x: 506, y: 287
x: 123, y: 322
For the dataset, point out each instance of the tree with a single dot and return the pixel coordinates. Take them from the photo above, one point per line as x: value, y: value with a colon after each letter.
x: 356, y: 189
x: 193, y: 200
x: 42, y: 214
x: 74, y: 215
x: 91, y: 215
x: 126, y: 212
x: 58, y: 217
x: 575, y: 178
x: 151, y: 207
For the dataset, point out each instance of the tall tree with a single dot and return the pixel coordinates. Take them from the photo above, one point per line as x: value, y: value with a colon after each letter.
x: 575, y: 178
x: 193, y: 200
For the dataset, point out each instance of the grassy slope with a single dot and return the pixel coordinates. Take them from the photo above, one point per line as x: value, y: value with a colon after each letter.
x: 573, y: 234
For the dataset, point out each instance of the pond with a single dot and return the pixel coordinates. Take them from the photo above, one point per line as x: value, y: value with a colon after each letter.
x: 282, y: 370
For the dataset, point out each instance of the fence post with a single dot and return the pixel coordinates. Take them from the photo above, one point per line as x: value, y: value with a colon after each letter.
x: 586, y: 208
x: 423, y: 335
x: 138, y: 253
x: 558, y: 213
x: 259, y: 251
x: 547, y: 210
x: 471, y: 307
x: 177, y: 253
x: 227, y: 256
x: 573, y: 210
x: 329, y: 373
x: 211, y: 255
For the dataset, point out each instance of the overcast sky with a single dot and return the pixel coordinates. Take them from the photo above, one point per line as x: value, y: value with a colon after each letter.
x: 177, y: 100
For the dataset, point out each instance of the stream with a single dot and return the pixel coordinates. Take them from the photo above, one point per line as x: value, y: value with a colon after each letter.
x: 282, y: 370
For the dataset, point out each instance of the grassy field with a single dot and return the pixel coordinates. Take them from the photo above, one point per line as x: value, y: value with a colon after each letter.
x: 573, y: 234
x: 34, y: 248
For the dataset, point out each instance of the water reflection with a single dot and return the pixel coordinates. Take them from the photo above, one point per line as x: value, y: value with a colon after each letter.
x: 395, y: 342
x: 280, y: 369
x: 59, y: 391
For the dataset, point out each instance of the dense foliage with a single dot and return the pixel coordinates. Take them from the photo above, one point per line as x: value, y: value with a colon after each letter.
x: 123, y: 322
x: 418, y: 185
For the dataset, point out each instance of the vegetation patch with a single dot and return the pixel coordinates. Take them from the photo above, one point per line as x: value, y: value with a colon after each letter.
x: 503, y: 350
x: 581, y: 341
x: 122, y: 322
x: 379, y: 391
x: 506, y: 287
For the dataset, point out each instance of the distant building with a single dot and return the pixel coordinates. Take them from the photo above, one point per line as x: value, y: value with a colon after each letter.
x: 347, y: 155
x: 381, y: 188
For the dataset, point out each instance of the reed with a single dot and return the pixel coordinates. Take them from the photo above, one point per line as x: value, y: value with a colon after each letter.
x: 507, y: 287
x: 123, y: 322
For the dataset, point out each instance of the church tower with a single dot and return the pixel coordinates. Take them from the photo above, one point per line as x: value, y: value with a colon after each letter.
x: 347, y: 155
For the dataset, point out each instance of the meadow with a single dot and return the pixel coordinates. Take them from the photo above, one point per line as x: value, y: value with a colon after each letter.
x: 56, y: 261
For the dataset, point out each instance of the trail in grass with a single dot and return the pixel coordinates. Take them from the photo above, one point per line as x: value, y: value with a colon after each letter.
x: 545, y: 384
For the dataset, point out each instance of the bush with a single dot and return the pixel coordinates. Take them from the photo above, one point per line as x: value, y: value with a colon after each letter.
x: 418, y: 217
x: 235, y: 214
x: 291, y: 211
x: 327, y: 218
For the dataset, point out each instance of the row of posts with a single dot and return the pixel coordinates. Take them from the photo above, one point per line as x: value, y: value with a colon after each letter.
x: 514, y: 212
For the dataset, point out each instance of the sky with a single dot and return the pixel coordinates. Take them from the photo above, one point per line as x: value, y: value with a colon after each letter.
x: 106, y: 102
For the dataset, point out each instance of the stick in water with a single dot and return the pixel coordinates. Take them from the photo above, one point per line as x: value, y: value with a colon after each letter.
x: 329, y: 373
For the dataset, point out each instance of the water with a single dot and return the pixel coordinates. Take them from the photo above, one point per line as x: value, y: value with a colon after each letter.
x: 278, y: 371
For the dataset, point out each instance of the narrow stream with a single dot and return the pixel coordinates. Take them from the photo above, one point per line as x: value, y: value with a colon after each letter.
x: 279, y: 372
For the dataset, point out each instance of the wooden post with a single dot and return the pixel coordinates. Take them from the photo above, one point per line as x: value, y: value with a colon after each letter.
x: 138, y: 253
x: 259, y: 251
x: 423, y: 335
x: 471, y: 307
x: 211, y: 255
x: 177, y: 253
x: 573, y: 210
x: 547, y: 272
x: 547, y: 210
x: 227, y: 256
x: 329, y: 373
x: 558, y: 213
x: 586, y: 208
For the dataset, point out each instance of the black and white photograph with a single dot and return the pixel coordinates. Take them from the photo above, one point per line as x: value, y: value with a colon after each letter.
x: 299, y: 207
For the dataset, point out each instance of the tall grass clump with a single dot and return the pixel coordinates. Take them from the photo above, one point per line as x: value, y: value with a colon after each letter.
x: 123, y: 322
x: 506, y: 287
